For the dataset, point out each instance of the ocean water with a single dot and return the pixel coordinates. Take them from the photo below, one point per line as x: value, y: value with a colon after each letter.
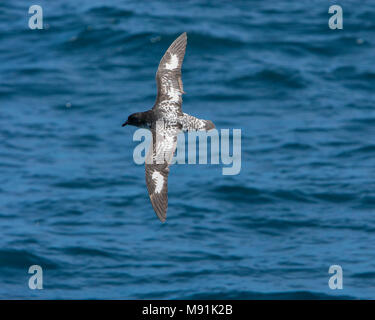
x: 73, y: 201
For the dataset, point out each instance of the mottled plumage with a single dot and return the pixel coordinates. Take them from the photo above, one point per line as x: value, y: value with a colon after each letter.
x: 166, y: 120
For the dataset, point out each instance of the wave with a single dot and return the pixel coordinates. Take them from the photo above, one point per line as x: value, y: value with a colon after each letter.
x: 364, y: 150
x: 280, y: 77
x: 23, y: 259
x: 249, y: 295
x: 110, y: 12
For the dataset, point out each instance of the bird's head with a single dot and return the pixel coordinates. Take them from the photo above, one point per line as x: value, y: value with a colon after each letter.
x: 135, y: 119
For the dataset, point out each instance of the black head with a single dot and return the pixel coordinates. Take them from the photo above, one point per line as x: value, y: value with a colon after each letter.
x: 135, y: 119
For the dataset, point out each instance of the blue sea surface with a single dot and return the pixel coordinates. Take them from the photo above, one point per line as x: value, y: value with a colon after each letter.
x: 73, y: 201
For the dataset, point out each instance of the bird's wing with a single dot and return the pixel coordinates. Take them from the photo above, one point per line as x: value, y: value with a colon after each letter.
x: 158, y: 158
x: 168, y: 77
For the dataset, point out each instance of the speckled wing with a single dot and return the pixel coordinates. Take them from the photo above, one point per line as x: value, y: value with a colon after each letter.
x: 190, y: 123
x: 168, y: 78
x: 158, y: 158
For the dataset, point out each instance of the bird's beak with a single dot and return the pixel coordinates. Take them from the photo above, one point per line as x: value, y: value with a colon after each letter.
x: 124, y: 124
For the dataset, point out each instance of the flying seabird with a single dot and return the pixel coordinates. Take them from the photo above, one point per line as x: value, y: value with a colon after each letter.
x: 166, y: 120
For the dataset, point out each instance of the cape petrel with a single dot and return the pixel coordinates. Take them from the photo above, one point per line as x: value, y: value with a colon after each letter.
x: 168, y: 111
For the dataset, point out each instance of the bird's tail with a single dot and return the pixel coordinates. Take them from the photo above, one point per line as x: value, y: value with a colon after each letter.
x: 190, y: 123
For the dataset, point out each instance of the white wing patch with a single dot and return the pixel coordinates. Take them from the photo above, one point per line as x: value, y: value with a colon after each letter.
x: 173, y: 63
x: 159, y: 181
